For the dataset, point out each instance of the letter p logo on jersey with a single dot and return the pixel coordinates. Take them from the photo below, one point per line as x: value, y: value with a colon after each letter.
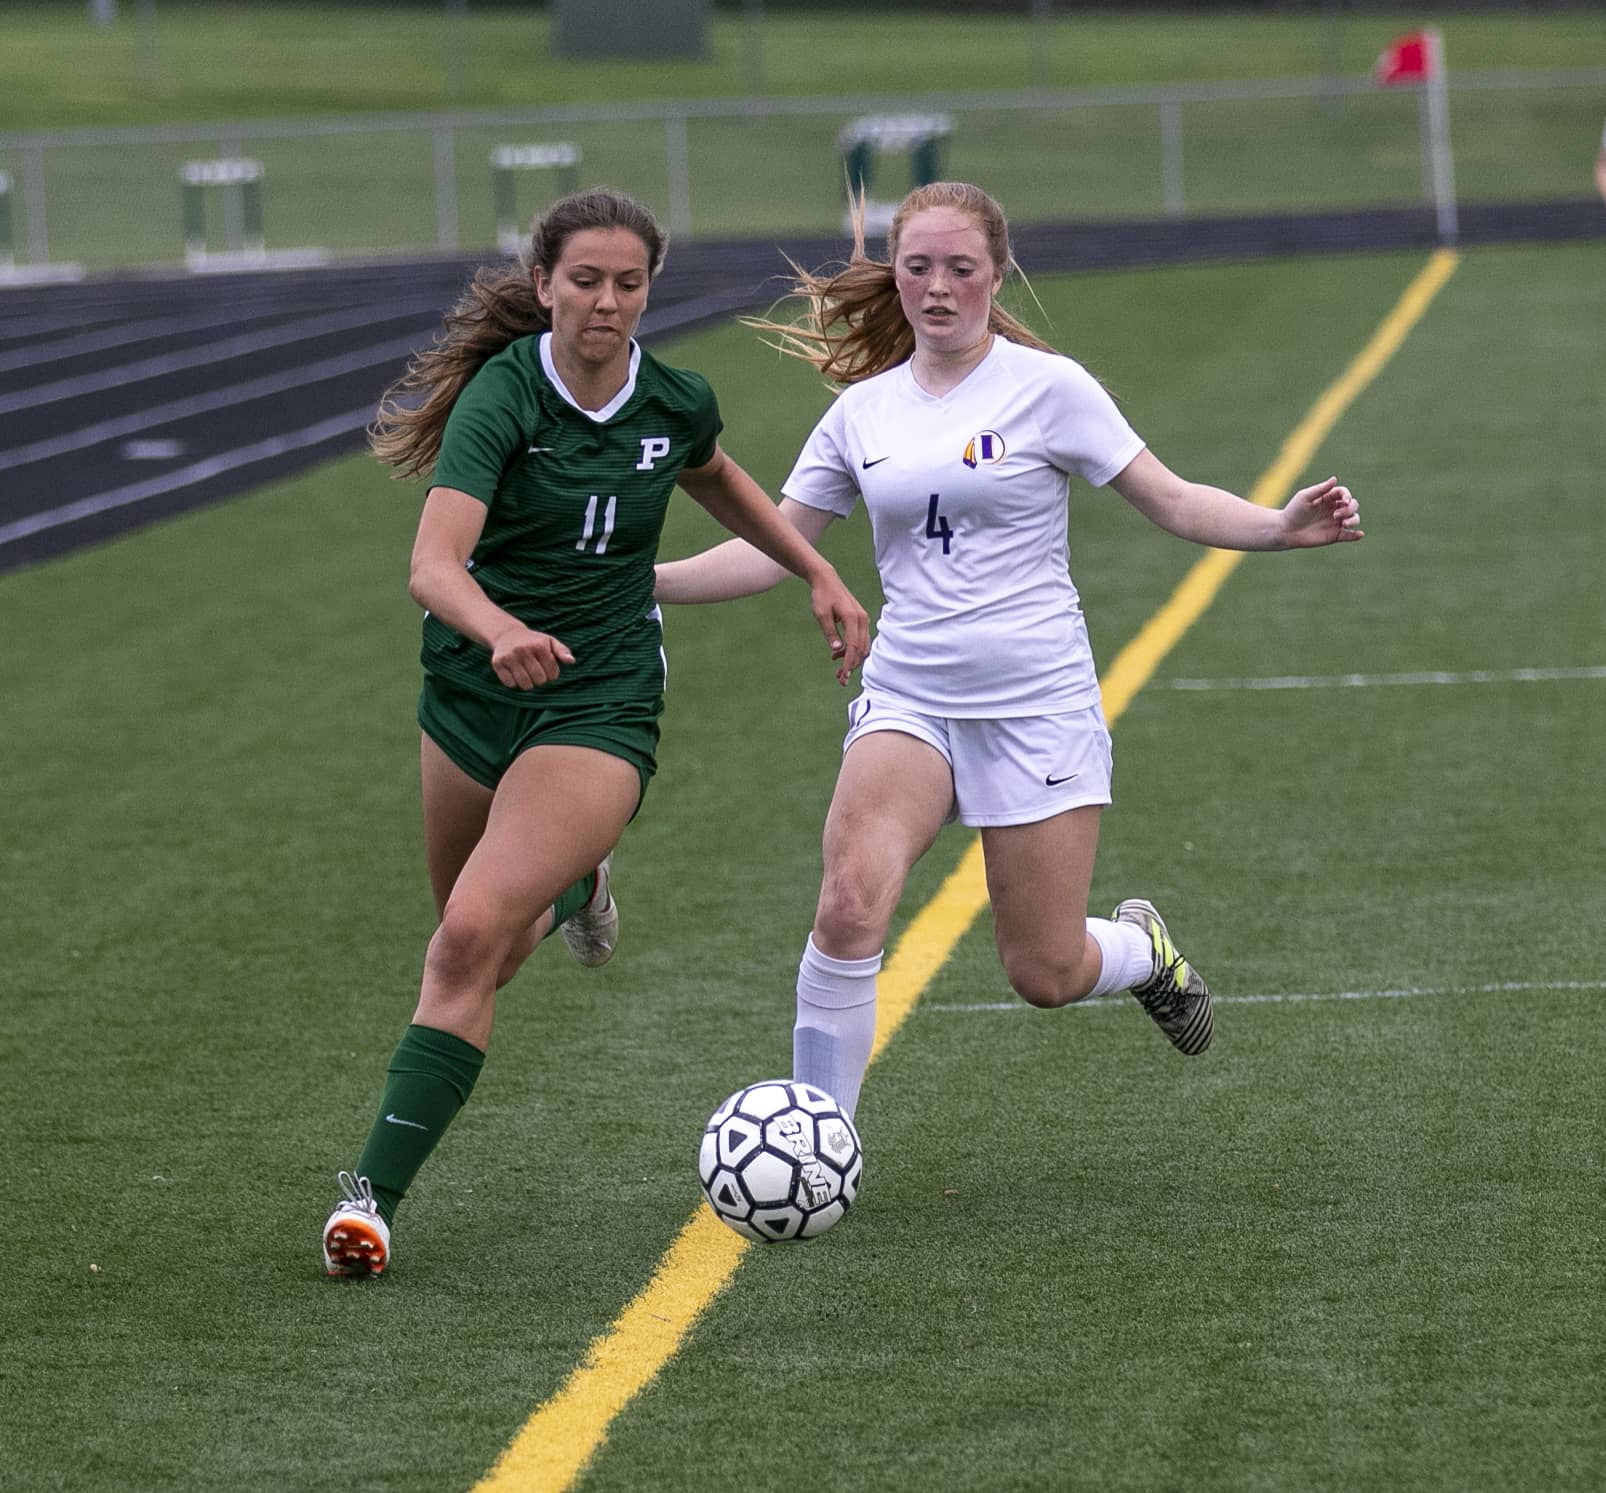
x: 652, y: 447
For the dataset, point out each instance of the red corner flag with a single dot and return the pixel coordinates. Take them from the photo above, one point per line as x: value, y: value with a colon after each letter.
x: 1405, y: 60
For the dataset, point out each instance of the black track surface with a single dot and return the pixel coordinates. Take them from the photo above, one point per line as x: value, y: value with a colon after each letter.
x: 126, y: 400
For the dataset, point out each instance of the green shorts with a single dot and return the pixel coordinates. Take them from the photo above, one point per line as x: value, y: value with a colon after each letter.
x: 483, y: 736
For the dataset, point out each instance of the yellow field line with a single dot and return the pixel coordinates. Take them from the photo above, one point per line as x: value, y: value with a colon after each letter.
x: 563, y: 1434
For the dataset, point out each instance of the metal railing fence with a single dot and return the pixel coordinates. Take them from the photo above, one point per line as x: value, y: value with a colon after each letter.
x: 765, y: 166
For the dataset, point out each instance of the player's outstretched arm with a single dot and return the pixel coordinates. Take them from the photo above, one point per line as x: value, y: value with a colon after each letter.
x: 772, y: 543
x: 1325, y: 513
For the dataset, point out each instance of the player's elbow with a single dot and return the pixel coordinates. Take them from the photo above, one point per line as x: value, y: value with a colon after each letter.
x: 424, y: 577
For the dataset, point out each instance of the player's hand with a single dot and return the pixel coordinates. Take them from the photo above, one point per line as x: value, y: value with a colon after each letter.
x: 1324, y: 514
x: 525, y: 659
x: 844, y: 622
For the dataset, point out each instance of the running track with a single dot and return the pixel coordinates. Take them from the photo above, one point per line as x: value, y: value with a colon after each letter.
x: 123, y: 401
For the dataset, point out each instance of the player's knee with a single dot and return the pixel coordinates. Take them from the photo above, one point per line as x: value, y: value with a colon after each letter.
x: 465, y: 947
x: 852, y: 912
x: 1045, y: 983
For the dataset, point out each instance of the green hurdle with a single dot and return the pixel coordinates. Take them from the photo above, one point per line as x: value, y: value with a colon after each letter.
x: 239, y: 182
x: 863, y: 141
x: 508, y: 162
x: 8, y: 248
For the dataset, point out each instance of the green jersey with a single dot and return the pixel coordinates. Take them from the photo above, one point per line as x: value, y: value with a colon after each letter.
x: 575, y: 503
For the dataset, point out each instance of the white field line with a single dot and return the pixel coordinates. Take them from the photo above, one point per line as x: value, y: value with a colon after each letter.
x: 1371, y: 681
x: 1408, y: 992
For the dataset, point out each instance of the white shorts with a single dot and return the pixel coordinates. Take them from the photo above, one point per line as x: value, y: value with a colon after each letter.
x: 1010, y: 770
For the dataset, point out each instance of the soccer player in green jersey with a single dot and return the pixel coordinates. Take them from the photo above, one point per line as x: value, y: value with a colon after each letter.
x: 552, y: 442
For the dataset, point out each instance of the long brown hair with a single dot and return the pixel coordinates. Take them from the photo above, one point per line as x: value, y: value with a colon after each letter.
x: 853, y: 326
x: 498, y: 307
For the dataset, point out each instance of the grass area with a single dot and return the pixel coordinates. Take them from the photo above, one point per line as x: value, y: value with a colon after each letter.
x: 1355, y: 1247
x: 224, y: 59
x: 246, y: 64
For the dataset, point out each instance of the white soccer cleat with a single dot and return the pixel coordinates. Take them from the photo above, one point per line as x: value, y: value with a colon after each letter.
x: 356, y: 1240
x: 592, y: 933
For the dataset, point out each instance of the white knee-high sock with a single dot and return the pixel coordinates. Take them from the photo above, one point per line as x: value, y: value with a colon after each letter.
x: 1128, y: 955
x: 835, y: 1026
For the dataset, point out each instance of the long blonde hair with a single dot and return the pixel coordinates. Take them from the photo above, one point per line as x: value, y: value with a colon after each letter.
x: 853, y: 326
x: 498, y: 307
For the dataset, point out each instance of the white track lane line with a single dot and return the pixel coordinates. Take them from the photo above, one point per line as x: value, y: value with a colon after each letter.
x: 82, y: 344
x: 268, y: 385
x: 200, y: 471
x: 264, y: 450
x: 302, y: 329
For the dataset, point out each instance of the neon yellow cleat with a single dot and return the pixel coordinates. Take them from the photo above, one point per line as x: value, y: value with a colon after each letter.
x: 1176, y: 995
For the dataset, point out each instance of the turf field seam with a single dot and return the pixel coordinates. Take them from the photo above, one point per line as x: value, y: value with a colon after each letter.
x: 1406, y: 992
x: 553, y: 1447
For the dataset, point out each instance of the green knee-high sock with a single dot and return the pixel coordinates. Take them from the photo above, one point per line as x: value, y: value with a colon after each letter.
x: 431, y: 1075
x: 571, y: 899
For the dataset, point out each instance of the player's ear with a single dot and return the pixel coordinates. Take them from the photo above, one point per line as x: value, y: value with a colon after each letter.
x: 543, y: 287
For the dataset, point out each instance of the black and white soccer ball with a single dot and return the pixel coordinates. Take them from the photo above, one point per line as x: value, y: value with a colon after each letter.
x: 780, y: 1160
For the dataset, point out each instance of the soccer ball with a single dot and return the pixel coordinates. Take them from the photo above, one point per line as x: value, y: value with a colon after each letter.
x: 780, y: 1160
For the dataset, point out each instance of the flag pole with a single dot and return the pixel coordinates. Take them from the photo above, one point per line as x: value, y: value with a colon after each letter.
x: 1439, y: 137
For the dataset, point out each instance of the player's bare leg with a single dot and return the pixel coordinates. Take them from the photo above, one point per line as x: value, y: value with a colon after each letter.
x: 456, y: 808
x: 558, y: 811
x: 555, y: 815
x: 1038, y: 876
x: 892, y: 796
x: 1038, y: 879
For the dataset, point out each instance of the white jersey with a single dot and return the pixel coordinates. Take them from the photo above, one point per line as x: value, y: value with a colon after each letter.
x: 967, y: 501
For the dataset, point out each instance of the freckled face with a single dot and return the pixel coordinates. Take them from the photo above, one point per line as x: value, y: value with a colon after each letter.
x: 946, y: 279
x: 596, y: 293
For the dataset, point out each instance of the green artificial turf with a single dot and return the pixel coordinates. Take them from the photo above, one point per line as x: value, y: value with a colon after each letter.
x: 1356, y: 1246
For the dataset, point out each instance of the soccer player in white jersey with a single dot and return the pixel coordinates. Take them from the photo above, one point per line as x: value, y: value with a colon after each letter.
x: 960, y: 431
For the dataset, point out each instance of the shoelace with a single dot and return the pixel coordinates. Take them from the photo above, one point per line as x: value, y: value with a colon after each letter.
x: 358, y: 1192
x: 1166, y: 994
